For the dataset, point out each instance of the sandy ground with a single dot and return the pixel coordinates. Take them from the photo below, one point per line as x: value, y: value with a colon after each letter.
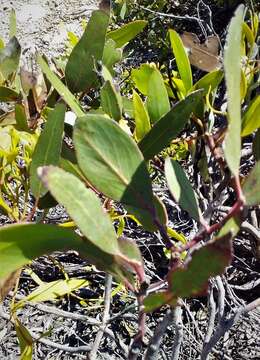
x: 43, y: 24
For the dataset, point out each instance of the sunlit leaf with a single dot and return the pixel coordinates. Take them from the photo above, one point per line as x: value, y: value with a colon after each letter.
x: 182, y: 59
x: 48, y: 148
x: 158, y: 103
x: 49, y: 291
x: 88, y: 50
x: 251, y: 117
x: 232, y: 67
x: 25, y: 341
x: 111, y: 101
x: 142, y: 121
x: 122, y: 174
x: 141, y: 77
x: 169, y: 126
x: 209, y: 81
x: 83, y: 206
x: 127, y: 32
x: 12, y: 24
x: 60, y: 87
x: 111, y: 55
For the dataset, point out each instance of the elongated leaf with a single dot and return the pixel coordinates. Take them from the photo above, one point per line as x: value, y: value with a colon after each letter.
x: 60, y: 87
x: 169, y: 126
x: 21, y: 118
x: 232, y: 67
x: 182, y: 59
x: 122, y: 174
x: 79, y: 72
x: 22, y: 243
x: 10, y: 57
x: 12, y: 24
x: 181, y: 188
x: 141, y: 77
x: 25, y: 341
x: 251, y: 118
x: 111, y: 101
x: 111, y: 55
x: 48, y: 148
x: 251, y: 187
x: 127, y: 32
x: 142, y: 121
x: 158, y: 103
x: 210, y: 80
x: 83, y: 206
x: 7, y: 94
x: 53, y: 290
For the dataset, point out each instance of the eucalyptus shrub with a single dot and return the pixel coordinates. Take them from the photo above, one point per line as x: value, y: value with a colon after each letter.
x: 113, y: 144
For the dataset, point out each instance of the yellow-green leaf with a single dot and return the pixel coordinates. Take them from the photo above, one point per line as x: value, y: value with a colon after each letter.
x: 232, y: 67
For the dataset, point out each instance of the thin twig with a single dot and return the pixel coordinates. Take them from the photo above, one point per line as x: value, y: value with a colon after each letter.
x: 178, y: 338
x: 226, y: 325
x: 107, y: 300
x: 155, y: 342
x: 212, y: 316
x: 50, y: 343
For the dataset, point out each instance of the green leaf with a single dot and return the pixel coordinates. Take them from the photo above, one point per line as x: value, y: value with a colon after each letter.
x: 111, y: 101
x: 48, y: 148
x: 232, y: 67
x: 209, y: 81
x: 128, y: 107
x: 10, y: 57
x: 142, y: 121
x: 182, y: 59
x: 7, y: 94
x: 49, y: 291
x: 111, y: 55
x: 21, y: 118
x: 251, y: 186
x: 12, y: 24
x: 251, y: 117
x: 141, y: 77
x: 158, y: 103
x: 127, y: 32
x: 83, y: 206
x: 181, y: 189
x: 25, y: 341
x: 79, y: 72
x: 22, y: 243
x: 169, y: 126
x: 64, y: 92
x: 72, y: 168
x: 122, y: 174
x: 208, y: 261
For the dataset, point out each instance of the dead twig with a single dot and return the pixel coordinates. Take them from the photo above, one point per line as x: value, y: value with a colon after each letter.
x: 107, y: 299
x: 155, y: 342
